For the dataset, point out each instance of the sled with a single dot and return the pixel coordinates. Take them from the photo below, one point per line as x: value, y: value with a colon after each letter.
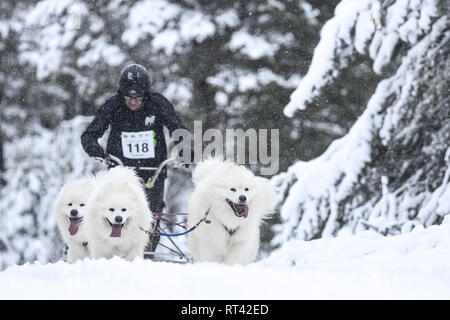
x: 150, y: 182
x: 174, y: 254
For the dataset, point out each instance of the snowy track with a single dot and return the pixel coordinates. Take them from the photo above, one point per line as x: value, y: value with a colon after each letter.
x: 363, y: 266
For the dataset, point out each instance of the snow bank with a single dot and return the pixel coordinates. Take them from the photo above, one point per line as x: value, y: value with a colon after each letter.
x: 363, y: 266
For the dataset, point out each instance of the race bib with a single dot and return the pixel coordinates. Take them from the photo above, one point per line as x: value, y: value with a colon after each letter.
x: 138, y: 145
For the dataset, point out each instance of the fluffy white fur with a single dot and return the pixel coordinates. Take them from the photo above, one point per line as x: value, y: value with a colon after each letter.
x: 117, y: 210
x: 229, y: 238
x: 70, y: 211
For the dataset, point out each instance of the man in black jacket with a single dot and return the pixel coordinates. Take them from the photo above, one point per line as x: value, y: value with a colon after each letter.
x: 137, y: 117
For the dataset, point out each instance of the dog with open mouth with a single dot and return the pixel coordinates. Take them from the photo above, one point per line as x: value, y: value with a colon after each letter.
x: 235, y: 201
x: 70, y: 211
x: 117, y: 212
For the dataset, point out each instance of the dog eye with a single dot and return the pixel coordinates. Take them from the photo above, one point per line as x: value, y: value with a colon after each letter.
x: 81, y: 204
x: 233, y: 189
x: 246, y: 189
x: 111, y: 209
x: 124, y: 209
x: 69, y: 204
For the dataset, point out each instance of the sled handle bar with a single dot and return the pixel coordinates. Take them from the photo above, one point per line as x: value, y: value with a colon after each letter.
x: 150, y: 182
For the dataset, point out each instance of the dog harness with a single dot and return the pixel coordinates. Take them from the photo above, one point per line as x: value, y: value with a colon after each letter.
x: 230, y: 231
x: 204, y: 219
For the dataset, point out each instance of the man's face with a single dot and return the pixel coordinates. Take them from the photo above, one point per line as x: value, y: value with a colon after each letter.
x: 134, y: 103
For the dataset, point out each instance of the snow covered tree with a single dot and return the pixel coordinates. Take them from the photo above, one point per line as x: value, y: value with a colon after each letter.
x: 244, y: 77
x: 391, y: 172
x: 234, y: 63
x: 253, y: 55
x: 37, y: 167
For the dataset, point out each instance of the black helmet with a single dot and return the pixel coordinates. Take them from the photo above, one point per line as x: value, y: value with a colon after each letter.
x: 134, y: 81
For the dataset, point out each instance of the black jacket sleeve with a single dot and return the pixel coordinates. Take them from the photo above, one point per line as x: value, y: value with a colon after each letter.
x: 95, y: 130
x: 169, y: 117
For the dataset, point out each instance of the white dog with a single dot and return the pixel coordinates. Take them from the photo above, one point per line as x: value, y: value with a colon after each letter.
x: 70, y: 210
x: 117, y: 211
x: 236, y: 202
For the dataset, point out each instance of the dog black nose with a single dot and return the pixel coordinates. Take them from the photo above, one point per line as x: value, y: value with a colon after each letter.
x: 118, y: 219
x: 242, y: 198
x: 74, y: 212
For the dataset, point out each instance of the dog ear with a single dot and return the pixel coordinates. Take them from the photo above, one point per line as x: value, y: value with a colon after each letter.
x: 244, y: 166
x: 108, y: 186
x: 103, y: 190
x: 129, y: 190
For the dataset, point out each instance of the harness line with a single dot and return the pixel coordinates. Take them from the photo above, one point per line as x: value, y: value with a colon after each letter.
x: 204, y: 219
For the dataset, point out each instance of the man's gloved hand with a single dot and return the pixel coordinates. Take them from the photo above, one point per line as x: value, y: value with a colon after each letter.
x: 99, y: 159
x: 111, y: 161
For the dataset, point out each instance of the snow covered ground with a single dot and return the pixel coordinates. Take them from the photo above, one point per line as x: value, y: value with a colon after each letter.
x: 414, y: 265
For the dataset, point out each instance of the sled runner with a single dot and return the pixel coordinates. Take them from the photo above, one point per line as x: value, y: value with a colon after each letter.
x: 159, y: 216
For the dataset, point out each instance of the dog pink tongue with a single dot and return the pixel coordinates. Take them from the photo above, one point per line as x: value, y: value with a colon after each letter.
x: 242, y: 210
x: 116, y: 230
x: 74, y: 224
